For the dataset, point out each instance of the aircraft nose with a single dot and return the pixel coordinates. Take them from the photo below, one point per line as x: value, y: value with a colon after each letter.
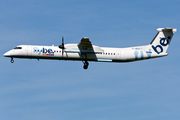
x: 7, y: 54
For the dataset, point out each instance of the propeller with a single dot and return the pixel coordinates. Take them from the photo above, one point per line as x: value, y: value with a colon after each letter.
x: 62, y: 46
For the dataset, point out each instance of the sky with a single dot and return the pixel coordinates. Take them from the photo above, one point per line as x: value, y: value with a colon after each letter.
x: 63, y: 90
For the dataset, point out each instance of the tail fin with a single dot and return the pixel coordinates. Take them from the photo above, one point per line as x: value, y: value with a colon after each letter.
x: 162, y: 40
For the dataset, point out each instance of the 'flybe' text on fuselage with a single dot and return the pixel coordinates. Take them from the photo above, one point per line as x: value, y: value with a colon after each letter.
x: 43, y: 51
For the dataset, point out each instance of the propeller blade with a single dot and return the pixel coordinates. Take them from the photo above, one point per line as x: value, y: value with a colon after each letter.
x: 62, y: 40
x: 62, y: 45
x: 62, y: 52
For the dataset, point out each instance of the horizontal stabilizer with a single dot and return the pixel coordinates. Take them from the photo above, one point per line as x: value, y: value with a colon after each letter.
x: 167, y: 30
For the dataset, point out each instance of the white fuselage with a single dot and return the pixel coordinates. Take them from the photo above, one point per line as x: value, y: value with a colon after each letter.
x: 85, y: 51
x: 108, y: 54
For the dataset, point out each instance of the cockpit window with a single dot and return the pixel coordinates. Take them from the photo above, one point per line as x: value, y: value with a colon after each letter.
x: 18, y: 48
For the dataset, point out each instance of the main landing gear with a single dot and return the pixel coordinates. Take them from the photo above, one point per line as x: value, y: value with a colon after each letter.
x: 12, y: 61
x: 86, y: 64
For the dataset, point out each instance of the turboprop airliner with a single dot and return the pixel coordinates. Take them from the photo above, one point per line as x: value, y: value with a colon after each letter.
x: 85, y: 51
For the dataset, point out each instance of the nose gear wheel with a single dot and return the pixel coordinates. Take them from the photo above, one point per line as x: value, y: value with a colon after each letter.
x: 12, y: 61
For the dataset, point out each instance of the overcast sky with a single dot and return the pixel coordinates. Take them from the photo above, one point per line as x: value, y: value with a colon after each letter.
x: 63, y: 90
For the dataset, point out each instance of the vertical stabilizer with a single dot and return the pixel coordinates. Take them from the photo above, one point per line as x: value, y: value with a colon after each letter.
x: 162, y: 40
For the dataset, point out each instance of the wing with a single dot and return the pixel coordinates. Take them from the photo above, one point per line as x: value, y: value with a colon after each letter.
x: 86, y: 46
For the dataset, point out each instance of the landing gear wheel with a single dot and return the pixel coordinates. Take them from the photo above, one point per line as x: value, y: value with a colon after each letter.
x: 85, y: 67
x: 12, y: 61
x: 86, y: 64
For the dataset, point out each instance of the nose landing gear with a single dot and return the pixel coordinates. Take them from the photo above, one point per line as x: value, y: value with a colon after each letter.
x: 12, y: 61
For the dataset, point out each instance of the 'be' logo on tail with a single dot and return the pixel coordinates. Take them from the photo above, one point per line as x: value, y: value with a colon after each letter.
x: 159, y: 49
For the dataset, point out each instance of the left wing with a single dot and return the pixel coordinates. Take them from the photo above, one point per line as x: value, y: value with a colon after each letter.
x: 86, y: 46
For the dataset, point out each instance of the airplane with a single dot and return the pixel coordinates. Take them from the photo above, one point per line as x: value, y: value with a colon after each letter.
x: 85, y: 51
